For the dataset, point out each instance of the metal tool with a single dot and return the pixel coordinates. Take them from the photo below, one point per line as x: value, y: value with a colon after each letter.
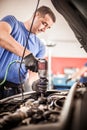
x: 42, y: 68
x: 42, y: 72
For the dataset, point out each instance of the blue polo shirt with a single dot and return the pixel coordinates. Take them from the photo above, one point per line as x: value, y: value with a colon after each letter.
x: 20, y: 34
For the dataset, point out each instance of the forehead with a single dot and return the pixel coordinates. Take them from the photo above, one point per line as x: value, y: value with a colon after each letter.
x: 48, y: 20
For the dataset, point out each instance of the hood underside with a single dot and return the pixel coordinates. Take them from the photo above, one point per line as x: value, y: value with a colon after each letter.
x: 75, y: 13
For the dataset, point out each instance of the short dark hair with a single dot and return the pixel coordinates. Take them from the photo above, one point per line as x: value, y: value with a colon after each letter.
x: 43, y: 10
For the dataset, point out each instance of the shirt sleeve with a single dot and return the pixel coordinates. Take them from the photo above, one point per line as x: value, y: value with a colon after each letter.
x: 10, y: 20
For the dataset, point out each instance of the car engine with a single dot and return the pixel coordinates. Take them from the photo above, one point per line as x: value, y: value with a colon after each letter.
x: 59, y: 110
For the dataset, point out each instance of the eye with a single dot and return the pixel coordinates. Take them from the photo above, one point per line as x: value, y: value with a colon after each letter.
x: 45, y: 24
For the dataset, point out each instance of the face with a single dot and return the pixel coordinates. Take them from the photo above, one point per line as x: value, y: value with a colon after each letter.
x: 41, y: 24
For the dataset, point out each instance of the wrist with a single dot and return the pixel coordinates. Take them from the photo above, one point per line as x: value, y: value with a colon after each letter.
x: 27, y: 53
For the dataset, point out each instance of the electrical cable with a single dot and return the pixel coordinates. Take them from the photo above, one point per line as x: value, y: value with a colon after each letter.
x: 25, y: 49
x: 6, y: 73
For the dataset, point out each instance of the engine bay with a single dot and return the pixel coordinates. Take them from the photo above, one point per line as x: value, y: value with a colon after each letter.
x: 56, y: 110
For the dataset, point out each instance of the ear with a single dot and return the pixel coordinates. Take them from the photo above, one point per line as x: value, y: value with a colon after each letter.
x: 38, y: 14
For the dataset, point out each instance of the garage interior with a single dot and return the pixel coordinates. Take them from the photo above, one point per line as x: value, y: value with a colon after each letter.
x: 63, y: 105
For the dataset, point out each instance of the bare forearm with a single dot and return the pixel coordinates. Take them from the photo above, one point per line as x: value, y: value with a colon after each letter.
x: 7, y: 42
x: 79, y: 73
x: 75, y: 75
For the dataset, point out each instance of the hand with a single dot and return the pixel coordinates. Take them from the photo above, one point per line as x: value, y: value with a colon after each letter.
x: 31, y: 62
x: 68, y: 80
x: 40, y: 85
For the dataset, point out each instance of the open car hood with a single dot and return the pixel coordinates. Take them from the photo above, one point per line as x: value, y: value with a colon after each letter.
x: 75, y: 13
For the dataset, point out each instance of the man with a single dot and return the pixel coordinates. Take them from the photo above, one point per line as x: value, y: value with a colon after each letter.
x: 13, y: 37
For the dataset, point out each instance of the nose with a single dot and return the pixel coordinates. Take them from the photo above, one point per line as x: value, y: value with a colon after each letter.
x: 43, y: 29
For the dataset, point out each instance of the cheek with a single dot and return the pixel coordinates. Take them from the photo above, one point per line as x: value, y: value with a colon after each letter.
x: 37, y: 24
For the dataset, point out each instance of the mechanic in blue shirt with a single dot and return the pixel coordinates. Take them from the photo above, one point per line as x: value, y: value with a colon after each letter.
x: 14, y: 35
